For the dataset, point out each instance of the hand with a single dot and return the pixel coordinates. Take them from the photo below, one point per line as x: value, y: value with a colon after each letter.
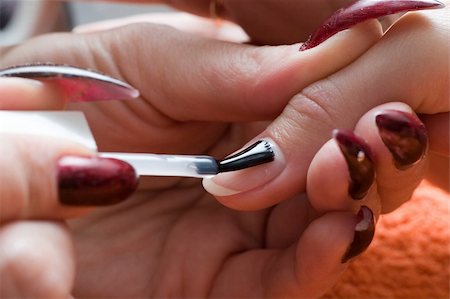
x: 272, y: 22
x: 140, y: 240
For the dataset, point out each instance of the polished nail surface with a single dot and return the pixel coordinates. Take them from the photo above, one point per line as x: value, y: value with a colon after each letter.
x: 404, y: 135
x: 361, y: 11
x: 76, y: 84
x: 92, y: 181
x: 359, y: 160
x: 364, y: 232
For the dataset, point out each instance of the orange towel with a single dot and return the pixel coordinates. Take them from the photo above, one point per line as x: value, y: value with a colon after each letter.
x: 409, y: 256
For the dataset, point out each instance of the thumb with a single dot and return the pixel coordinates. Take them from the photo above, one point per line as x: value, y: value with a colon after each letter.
x: 48, y: 178
x: 192, y: 78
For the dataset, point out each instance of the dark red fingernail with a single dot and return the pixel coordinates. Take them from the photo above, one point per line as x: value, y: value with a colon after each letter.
x: 361, y: 11
x: 404, y: 135
x: 364, y: 232
x: 93, y: 181
x: 359, y: 160
x: 76, y: 84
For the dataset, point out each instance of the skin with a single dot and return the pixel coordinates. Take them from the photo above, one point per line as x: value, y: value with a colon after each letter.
x: 152, y: 243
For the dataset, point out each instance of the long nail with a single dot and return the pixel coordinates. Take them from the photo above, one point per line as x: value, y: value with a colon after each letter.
x: 92, y: 181
x: 361, y: 11
x: 364, y: 232
x: 231, y: 183
x: 359, y: 160
x: 404, y: 135
x: 76, y: 84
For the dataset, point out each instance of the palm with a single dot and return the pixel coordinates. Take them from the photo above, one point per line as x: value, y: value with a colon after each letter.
x: 172, y: 233
x: 178, y: 242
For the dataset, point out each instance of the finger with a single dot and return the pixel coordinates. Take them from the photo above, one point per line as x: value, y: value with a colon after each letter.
x: 340, y: 101
x: 267, y: 22
x: 25, y: 94
x: 227, y: 31
x: 55, y: 179
x: 389, y: 141
x: 304, y: 270
x: 187, y: 78
x: 37, y: 260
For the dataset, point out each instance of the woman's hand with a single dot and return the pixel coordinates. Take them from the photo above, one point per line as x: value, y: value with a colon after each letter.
x: 193, y: 239
x: 199, y: 96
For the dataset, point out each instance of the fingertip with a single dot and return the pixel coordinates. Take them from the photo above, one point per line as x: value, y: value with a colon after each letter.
x: 28, y: 94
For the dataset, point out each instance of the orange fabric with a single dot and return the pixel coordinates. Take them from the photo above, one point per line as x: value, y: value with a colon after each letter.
x: 409, y: 256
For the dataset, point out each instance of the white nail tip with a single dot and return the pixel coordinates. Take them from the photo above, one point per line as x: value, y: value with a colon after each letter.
x: 217, y: 190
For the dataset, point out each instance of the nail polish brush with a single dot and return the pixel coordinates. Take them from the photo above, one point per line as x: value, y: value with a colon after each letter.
x: 73, y: 126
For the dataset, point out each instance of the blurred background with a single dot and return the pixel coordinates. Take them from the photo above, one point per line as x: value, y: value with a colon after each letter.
x: 21, y: 19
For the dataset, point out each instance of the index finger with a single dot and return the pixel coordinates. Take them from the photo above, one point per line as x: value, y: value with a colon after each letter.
x: 47, y: 178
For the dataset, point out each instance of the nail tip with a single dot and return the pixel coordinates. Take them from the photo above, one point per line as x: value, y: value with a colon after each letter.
x: 361, y: 11
x: 363, y: 235
x: 77, y: 84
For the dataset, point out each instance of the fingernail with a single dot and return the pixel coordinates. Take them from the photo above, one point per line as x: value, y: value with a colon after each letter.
x: 361, y: 11
x: 235, y: 182
x: 76, y: 84
x: 358, y: 156
x: 364, y: 232
x: 404, y: 135
x: 93, y: 181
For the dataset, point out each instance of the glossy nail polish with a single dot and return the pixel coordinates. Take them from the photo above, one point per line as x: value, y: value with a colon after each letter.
x: 93, y: 181
x: 364, y: 232
x: 76, y: 84
x: 358, y: 156
x: 361, y: 11
x: 404, y: 135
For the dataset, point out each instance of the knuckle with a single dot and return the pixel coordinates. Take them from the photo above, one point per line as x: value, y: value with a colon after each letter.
x: 316, y: 109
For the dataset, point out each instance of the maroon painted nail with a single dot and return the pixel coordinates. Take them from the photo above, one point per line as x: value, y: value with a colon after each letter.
x: 93, y: 181
x: 76, y: 84
x: 364, y: 232
x: 404, y: 135
x: 358, y: 156
x: 361, y: 11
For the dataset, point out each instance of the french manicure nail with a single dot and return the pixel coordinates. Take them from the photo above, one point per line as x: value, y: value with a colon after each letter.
x: 404, y: 135
x: 93, y: 181
x: 361, y: 11
x: 231, y: 183
x: 76, y: 84
x: 358, y: 156
x: 364, y: 232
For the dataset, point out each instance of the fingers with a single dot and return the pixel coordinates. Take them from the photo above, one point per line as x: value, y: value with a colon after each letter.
x: 227, y: 31
x: 304, y: 270
x: 46, y: 178
x: 379, y: 165
x: 190, y: 78
x: 338, y: 102
x: 37, y: 260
